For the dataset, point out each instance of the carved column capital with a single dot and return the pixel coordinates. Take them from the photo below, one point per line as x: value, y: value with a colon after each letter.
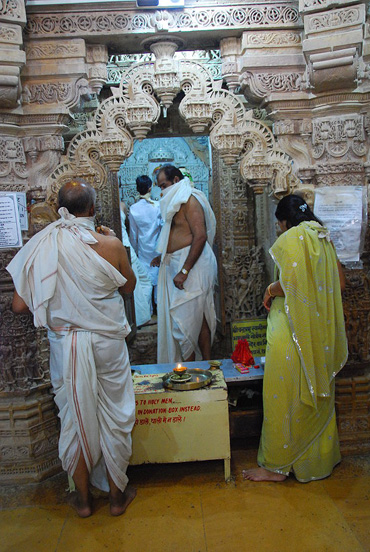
x: 230, y: 51
x: 333, y: 43
x: 97, y: 58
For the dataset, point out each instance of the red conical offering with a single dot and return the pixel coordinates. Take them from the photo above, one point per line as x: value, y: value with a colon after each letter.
x: 242, y: 353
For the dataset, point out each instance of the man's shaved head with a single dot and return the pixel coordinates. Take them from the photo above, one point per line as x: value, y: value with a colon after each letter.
x: 77, y: 196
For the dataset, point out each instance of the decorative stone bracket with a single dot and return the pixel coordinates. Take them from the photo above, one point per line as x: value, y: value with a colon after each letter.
x: 12, y: 58
x: 62, y: 74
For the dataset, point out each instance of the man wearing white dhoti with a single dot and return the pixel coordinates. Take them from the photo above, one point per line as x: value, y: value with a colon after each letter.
x: 71, y: 278
x: 188, y: 270
x: 143, y: 289
x: 145, y: 225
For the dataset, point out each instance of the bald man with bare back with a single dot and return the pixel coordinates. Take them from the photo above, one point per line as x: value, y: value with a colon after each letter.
x: 72, y: 279
x: 188, y: 270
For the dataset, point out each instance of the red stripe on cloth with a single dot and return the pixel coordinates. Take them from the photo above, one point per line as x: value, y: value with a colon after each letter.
x: 77, y: 406
x: 49, y: 276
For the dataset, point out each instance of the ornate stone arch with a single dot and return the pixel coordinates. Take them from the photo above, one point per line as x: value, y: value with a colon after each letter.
x: 247, y: 148
x: 136, y: 105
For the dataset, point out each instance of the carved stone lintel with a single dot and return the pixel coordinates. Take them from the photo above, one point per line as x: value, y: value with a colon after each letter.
x: 56, y: 49
x: 270, y: 39
x: 128, y: 21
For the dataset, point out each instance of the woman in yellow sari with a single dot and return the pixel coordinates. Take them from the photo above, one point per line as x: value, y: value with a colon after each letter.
x: 306, y: 348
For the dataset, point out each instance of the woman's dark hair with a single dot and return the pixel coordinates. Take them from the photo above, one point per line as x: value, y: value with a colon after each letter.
x: 294, y: 210
x: 171, y: 171
x: 143, y: 184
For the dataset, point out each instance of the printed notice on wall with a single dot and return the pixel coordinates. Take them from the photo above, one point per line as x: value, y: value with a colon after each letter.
x: 22, y: 210
x: 254, y: 331
x: 10, y: 228
x: 340, y: 208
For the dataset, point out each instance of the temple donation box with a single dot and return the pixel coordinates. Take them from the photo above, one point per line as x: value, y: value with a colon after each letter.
x: 180, y: 426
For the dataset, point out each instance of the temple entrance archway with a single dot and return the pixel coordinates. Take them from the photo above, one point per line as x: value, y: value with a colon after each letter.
x: 244, y: 153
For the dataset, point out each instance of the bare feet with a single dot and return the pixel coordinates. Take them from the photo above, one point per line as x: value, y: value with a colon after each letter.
x: 260, y: 474
x: 82, y: 507
x: 119, y: 502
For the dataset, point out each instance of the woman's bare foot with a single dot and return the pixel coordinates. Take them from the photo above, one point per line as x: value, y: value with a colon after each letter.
x: 119, y: 502
x: 82, y: 507
x: 260, y: 474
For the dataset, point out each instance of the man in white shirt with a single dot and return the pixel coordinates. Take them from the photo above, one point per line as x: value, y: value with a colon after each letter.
x: 145, y: 225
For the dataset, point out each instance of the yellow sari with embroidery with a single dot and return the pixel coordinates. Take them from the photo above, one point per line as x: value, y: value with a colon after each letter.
x: 306, y: 348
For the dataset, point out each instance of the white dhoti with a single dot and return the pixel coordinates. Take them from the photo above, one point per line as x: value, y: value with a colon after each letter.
x: 73, y: 292
x: 181, y: 312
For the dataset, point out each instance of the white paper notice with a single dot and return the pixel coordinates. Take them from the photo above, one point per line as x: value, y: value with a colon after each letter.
x: 340, y: 209
x: 10, y: 228
x: 22, y: 209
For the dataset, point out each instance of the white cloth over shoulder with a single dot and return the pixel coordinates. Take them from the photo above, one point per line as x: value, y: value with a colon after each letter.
x: 73, y: 292
x: 58, y: 261
x: 175, y: 196
x: 181, y: 312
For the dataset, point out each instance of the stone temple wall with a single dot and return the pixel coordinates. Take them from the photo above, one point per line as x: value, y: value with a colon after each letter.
x: 306, y: 64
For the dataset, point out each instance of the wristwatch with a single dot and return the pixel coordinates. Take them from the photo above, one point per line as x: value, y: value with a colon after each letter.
x: 184, y: 271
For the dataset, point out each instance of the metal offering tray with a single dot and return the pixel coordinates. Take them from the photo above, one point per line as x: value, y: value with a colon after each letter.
x: 198, y: 378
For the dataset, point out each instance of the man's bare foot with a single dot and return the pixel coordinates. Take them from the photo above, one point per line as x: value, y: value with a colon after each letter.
x: 83, y: 508
x: 260, y: 474
x: 119, y: 502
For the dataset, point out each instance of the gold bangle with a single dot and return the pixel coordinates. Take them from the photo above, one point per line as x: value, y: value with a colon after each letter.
x: 269, y: 290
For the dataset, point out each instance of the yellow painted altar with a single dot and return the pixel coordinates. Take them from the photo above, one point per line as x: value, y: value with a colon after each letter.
x: 180, y: 426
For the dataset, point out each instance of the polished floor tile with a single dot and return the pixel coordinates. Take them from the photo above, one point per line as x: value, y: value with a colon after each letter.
x: 189, y: 508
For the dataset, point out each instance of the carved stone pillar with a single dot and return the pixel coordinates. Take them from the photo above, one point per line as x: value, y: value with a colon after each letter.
x: 56, y: 80
x: 241, y: 261
x: 28, y: 424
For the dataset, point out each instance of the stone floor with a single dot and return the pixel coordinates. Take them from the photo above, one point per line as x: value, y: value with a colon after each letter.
x: 189, y: 508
